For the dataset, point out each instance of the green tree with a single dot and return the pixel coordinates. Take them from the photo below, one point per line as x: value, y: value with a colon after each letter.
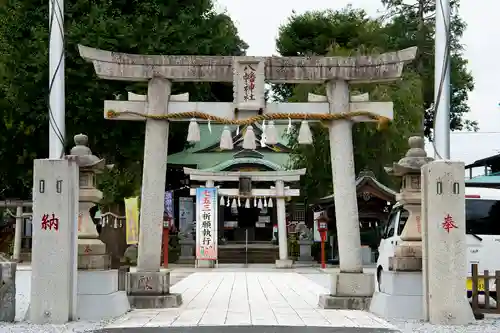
x: 315, y: 32
x: 146, y: 26
x: 401, y: 27
x: 373, y: 148
x: 413, y: 23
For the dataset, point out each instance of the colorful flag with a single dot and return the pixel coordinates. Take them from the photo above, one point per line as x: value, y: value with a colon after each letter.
x: 132, y: 220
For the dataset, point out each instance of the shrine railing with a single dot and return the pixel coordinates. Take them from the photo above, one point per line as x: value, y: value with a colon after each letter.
x: 483, y: 299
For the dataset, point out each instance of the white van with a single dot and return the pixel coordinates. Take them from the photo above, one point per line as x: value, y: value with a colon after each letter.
x: 482, y: 212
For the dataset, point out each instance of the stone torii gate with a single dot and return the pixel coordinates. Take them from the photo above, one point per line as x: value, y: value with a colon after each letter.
x: 249, y: 106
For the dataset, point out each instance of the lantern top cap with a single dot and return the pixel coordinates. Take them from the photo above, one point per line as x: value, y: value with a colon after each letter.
x: 414, y: 159
x: 86, y: 159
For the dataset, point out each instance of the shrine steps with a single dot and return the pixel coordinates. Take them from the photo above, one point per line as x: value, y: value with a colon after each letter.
x: 255, y: 254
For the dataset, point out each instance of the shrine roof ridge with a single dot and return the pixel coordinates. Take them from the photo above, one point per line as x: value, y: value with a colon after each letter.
x: 194, y: 68
x: 285, y: 175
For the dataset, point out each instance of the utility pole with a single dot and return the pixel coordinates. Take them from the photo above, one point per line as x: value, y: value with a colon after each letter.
x: 442, y: 93
x: 57, y: 126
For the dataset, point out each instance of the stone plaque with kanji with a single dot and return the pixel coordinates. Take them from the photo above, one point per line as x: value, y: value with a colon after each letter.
x: 248, y: 83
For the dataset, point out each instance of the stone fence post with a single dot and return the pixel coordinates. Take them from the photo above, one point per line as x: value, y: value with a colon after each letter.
x: 7, y: 290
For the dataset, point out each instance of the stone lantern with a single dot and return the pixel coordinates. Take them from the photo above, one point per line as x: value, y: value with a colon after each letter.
x: 400, y: 288
x: 408, y: 168
x: 91, y: 250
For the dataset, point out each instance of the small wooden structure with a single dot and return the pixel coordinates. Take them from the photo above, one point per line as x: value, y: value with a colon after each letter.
x: 374, y: 202
x: 480, y: 287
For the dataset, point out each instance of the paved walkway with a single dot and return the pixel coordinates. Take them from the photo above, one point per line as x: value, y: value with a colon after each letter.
x: 249, y: 298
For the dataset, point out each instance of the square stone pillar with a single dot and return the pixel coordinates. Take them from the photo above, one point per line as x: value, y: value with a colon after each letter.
x: 283, y: 261
x: 148, y: 287
x: 444, y: 244
x: 53, y: 267
x: 351, y: 288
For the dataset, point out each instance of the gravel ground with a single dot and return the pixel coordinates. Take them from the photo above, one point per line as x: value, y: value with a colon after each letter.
x: 488, y: 325
x: 491, y: 324
x: 23, y: 291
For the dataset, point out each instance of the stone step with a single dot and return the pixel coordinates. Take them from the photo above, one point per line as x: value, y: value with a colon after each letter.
x: 253, y: 256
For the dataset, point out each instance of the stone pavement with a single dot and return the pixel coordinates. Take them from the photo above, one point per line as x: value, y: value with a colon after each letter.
x: 249, y: 298
x: 246, y: 329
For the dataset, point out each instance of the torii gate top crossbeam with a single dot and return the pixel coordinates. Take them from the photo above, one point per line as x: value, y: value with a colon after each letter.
x: 228, y: 176
x: 133, y: 67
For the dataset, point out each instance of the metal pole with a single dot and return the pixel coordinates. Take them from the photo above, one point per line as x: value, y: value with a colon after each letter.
x: 57, y: 126
x: 246, y: 247
x: 442, y: 79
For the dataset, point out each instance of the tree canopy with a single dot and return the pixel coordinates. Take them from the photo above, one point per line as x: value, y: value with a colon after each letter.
x: 404, y: 25
x: 373, y: 149
x: 132, y: 26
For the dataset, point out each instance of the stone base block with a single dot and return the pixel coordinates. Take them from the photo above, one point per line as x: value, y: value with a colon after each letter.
x: 155, y: 302
x: 91, y: 246
x: 98, y: 297
x: 344, y: 302
x: 151, y: 290
x: 401, y: 283
x: 405, y: 264
x: 305, y: 259
x: 400, y: 296
x: 94, y: 262
x: 148, y: 283
x: 352, y: 284
x: 205, y: 263
x: 7, y: 290
x: 7, y: 302
x: 409, y: 249
x: 285, y: 263
x: 406, y: 307
x: 186, y: 260
x: 122, y: 277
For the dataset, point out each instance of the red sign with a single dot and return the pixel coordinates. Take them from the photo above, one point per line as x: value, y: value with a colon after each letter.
x: 448, y: 223
x: 50, y: 222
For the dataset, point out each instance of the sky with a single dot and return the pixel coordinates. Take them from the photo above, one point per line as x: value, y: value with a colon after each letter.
x: 258, y: 22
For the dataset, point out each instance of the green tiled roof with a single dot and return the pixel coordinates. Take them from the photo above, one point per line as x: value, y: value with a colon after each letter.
x: 494, y: 178
x: 196, y: 155
x: 228, y: 163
